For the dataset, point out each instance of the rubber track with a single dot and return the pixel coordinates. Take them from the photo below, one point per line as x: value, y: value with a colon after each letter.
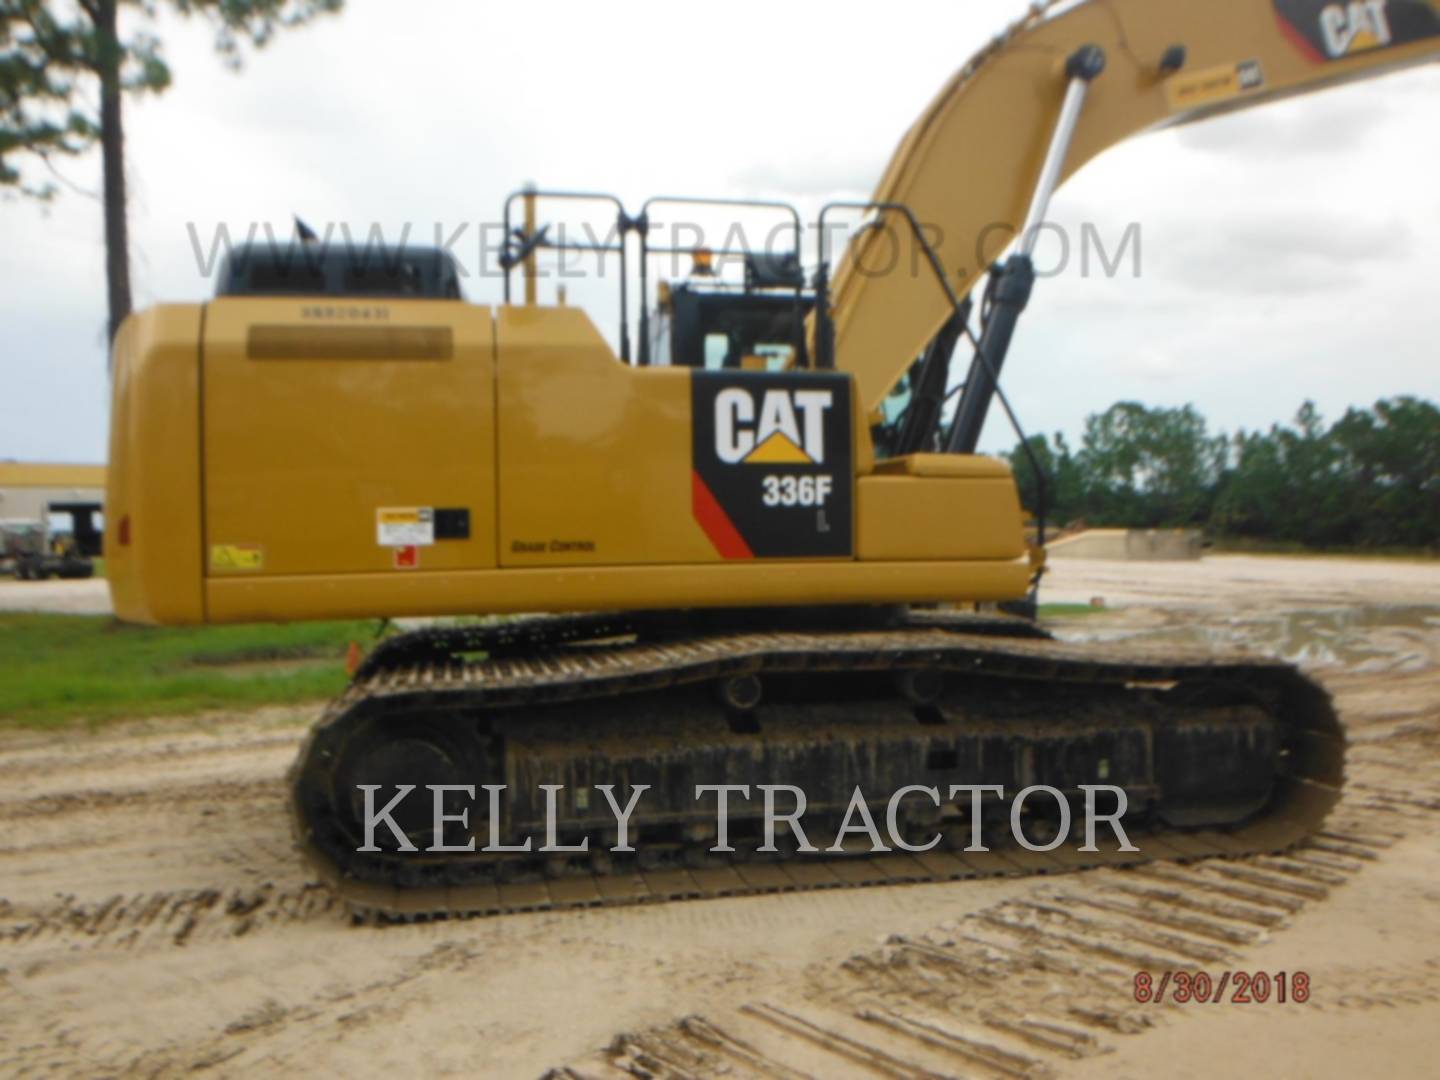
x: 535, y: 633
x: 1304, y: 794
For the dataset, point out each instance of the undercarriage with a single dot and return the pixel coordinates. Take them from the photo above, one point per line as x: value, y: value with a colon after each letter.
x: 941, y: 721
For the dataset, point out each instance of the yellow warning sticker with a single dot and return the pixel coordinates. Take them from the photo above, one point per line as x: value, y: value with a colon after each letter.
x: 405, y: 526
x: 228, y: 557
x: 1195, y: 90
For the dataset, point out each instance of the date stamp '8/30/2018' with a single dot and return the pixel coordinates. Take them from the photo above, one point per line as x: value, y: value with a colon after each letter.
x: 1238, y: 987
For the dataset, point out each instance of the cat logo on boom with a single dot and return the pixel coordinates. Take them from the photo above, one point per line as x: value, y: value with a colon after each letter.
x: 1330, y: 30
x: 1354, y: 27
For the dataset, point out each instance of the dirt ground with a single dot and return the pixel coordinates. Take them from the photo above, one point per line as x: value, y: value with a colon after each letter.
x: 154, y: 919
x: 88, y: 597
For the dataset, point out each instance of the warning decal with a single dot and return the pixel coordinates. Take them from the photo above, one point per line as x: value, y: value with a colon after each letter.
x: 1194, y: 90
x: 771, y: 459
x: 236, y: 557
x: 405, y: 526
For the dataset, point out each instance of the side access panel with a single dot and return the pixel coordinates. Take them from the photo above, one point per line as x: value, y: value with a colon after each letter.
x: 594, y: 468
x: 606, y: 465
x: 347, y: 437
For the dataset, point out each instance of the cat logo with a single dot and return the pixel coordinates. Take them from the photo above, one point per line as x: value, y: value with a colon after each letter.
x: 1355, y: 27
x: 788, y: 428
x: 1249, y: 76
x: 796, y: 427
x: 1328, y: 30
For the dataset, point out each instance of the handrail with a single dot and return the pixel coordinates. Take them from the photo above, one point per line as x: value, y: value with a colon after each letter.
x: 825, y: 330
x: 529, y: 244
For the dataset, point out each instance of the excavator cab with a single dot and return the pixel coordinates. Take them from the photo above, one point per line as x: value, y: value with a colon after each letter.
x: 701, y: 322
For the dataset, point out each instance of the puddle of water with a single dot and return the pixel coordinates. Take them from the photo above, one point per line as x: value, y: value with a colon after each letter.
x: 1367, y: 638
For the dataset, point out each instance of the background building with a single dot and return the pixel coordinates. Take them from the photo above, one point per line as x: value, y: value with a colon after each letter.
x: 26, y: 489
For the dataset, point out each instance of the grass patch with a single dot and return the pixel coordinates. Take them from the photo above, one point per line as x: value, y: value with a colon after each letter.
x: 56, y: 669
x: 1067, y: 611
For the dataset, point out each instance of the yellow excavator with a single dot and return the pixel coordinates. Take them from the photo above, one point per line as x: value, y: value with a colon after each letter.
x: 729, y: 565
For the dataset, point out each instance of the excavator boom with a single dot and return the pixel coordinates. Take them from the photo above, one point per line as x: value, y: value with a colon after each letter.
x: 970, y: 165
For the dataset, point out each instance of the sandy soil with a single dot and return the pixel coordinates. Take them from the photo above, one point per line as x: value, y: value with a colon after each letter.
x: 88, y: 597
x: 1228, y: 583
x: 154, y: 920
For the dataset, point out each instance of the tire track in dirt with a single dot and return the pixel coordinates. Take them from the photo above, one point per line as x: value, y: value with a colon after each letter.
x: 1012, y: 991
x: 209, y: 794
x: 157, y: 919
x: 147, y: 841
x: 122, y: 756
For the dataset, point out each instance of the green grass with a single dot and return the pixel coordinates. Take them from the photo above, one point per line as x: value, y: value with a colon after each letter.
x: 59, y: 669
x: 1056, y: 611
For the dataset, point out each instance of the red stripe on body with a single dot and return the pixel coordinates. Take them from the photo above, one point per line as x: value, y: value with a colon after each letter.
x: 712, y: 518
x: 1299, y: 40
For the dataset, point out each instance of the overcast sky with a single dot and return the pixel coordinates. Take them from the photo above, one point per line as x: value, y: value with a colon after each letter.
x: 1287, y: 253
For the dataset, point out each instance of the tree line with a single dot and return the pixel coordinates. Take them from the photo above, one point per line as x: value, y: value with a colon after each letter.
x: 1371, y: 479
